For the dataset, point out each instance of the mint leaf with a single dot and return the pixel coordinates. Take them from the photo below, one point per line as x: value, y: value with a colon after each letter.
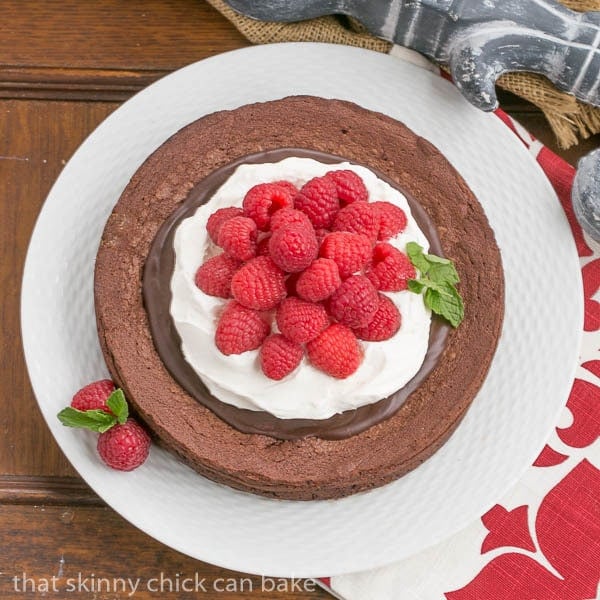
x: 95, y: 420
x: 118, y: 405
x: 442, y: 272
x: 416, y: 286
x: 446, y: 302
x: 437, y: 283
x: 417, y: 258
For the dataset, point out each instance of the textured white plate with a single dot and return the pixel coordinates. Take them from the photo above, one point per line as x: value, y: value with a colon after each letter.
x: 502, y: 432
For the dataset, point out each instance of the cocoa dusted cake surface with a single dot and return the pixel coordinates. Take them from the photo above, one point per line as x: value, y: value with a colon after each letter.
x: 309, y: 467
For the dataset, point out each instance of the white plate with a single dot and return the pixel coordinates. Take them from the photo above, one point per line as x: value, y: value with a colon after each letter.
x: 502, y: 432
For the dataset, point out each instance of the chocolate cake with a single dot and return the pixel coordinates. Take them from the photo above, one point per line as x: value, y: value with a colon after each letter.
x: 254, y: 451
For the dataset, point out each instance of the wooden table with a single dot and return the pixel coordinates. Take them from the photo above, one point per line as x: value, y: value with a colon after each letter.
x: 64, y: 66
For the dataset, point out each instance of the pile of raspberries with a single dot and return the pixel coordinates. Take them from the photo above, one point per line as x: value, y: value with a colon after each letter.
x: 315, y: 261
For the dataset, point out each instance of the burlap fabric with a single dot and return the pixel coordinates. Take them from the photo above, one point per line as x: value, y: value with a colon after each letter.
x: 570, y: 119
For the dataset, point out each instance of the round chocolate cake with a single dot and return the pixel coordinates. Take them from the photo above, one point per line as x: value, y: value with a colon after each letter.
x: 254, y: 450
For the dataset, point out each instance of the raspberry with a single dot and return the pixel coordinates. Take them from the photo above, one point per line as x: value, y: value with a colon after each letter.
x: 214, y: 276
x: 301, y: 321
x: 262, y: 248
x: 289, y: 216
x: 94, y: 396
x: 350, y: 251
x: 259, y: 284
x: 237, y: 236
x: 287, y: 185
x: 392, y: 220
x: 321, y: 235
x: 390, y: 269
x: 293, y: 247
x: 319, y: 280
x: 291, y: 282
x: 262, y: 200
x: 318, y: 199
x: 124, y: 447
x: 335, y: 351
x: 279, y: 356
x: 384, y: 324
x: 218, y: 218
x: 349, y: 186
x: 358, y: 217
x: 240, y: 329
x: 355, y: 302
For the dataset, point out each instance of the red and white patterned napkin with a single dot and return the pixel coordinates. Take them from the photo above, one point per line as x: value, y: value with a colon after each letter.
x: 542, y: 540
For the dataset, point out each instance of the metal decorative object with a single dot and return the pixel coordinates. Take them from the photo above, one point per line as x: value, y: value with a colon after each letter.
x: 478, y: 40
x: 586, y: 193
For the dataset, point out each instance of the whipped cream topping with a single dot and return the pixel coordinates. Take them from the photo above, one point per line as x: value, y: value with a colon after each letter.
x: 307, y: 393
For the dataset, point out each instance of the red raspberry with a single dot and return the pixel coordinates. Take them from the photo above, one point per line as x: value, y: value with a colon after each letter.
x: 240, y: 329
x: 319, y: 280
x: 335, y: 351
x: 355, y: 302
x: 350, y: 251
x: 259, y: 284
x: 124, y: 447
x: 301, y: 321
x: 214, y: 276
x: 291, y: 282
x: 358, y: 217
x: 318, y: 199
x: 392, y: 220
x: 293, y: 247
x: 321, y: 235
x: 237, y: 236
x: 279, y: 356
x: 390, y: 269
x: 262, y: 200
x: 288, y: 185
x: 289, y: 216
x: 262, y: 248
x: 218, y: 218
x: 384, y: 324
x: 94, y: 396
x: 350, y: 187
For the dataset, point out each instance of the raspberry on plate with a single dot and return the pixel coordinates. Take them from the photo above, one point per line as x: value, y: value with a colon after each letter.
x: 350, y: 251
x: 259, y: 284
x: 301, y: 321
x: 319, y: 280
x: 262, y: 200
x: 355, y: 302
x: 293, y: 247
x: 214, y: 276
x: 237, y: 237
x: 240, y: 329
x: 384, y: 324
x: 358, y: 217
x: 94, y: 396
x: 390, y: 269
x: 279, y: 356
x: 213, y: 225
x: 391, y: 220
x: 350, y: 186
x: 319, y: 201
x: 124, y: 447
x: 289, y: 216
x: 336, y: 351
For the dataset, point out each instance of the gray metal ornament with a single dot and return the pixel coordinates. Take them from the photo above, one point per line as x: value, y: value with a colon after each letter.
x: 479, y: 40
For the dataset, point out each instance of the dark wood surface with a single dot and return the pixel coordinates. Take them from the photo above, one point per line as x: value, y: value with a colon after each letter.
x: 64, y: 66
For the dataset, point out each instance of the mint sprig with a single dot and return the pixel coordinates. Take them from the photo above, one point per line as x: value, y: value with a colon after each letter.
x: 96, y: 419
x: 437, y: 283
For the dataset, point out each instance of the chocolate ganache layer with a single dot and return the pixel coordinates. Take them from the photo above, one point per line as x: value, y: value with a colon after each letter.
x: 158, y: 271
